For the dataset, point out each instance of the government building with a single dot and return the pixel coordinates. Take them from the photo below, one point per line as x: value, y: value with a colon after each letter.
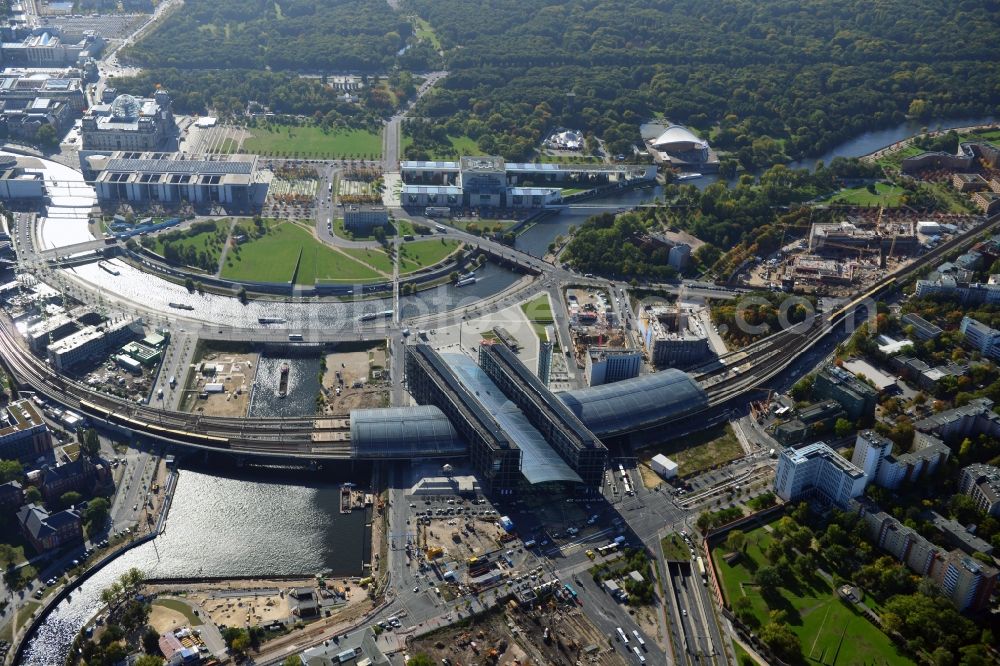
x: 130, y: 123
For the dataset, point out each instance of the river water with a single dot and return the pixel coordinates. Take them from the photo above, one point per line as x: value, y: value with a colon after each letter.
x: 267, y: 524
x: 303, y: 387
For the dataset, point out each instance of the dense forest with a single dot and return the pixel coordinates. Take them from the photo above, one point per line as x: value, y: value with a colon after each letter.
x: 806, y: 73
x: 227, y: 92
x: 290, y: 35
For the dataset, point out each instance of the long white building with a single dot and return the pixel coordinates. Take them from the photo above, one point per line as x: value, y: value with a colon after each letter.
x: 492, y: 182
x: 981, y: 337
x: 149, y: 178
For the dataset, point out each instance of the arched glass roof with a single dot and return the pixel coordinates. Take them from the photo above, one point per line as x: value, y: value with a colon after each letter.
x: 403, y: 432
x: 635, y: 404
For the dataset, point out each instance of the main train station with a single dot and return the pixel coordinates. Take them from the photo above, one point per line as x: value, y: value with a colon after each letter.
x: 512, y: 428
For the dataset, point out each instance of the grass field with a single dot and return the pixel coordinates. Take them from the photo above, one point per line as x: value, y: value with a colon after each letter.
x: 205, y: 239
x: 831, y: 631
x: 951, y: 199
x: 312, y: 141
x: 424, y: 32
x: 886, y: 195
x: 539, y: 313
x: 272, y: 258
x: 182, y: 608
x: 460, y: 145
x: 896, y: 158
x: 420, y: 254
x: 374, y: 257
x: 985, y: 135
x: 700, y: 451
x: 674, y: 548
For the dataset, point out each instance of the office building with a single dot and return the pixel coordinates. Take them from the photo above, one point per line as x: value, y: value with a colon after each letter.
x: 49, y: 330
x: 967, y: 293
x: 873, y: 454
x: 91, y: 341
x: 849, y: 239
x: 545, y: 349
x: 967, y: 582
x: 605, y: 365
x: 362, y: 220
x: 982, y: 484
x: 174, y: 178
x: 814, y: 417
x: 964, y: 160
x: 51, y: 47
x: 855, y: 396
x: 130, y: 123
x: 492, y: 182
x: 982, y: 338
x: 679, y: 256
x: 669, y: 339
x: 23, y: 433
x: 970, y: 420
x: 955, y: 534
x: 21, y: 179
x: 48, y: 531
x: 817, y: 469
x: 923, y: 329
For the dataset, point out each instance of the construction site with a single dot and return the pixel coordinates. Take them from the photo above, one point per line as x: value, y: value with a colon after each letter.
x: 838, y: 258
x: 552, y: 632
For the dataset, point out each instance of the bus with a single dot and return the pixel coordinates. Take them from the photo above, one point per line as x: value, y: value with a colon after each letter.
x: 701, y: 570
x: 572, y: 592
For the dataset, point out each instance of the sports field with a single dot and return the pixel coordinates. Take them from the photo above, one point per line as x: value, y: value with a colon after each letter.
x: 272, y: 258
x: 313, y: 141
x: 830, y: 630
x: 886, y: 195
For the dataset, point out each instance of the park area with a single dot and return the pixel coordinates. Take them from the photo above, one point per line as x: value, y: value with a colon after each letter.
x: 416, y: 255
x: 884, y: 195
x: 831, y: 631
x: 199, y: 246
x: 539, y: 314
x: 311, y: 141
x: 288, y: 249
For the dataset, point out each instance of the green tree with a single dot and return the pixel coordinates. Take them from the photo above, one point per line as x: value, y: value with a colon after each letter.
x: 32, y: 495
x: 295, y: 660
x: 96, y: 514
x: 10, y: 470
x: 780, y: 638
x: 421, y: 660
x: 767, y: 577
x: 736, y: 540
x: 189, y: 284
x: 149, y: 659
x: 46, y: 136
x: 843, y: 427
x: 150, y: 640
x: 70, y: 498
x: 91, y: 444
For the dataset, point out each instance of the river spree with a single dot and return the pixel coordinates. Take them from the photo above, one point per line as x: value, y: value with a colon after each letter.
x: 267, y: 524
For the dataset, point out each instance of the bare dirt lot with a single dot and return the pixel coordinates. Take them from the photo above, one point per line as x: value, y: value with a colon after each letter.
x: 360, y: 377
x: 460, y: 538
x: 234, y: 371
x: 518, y: 637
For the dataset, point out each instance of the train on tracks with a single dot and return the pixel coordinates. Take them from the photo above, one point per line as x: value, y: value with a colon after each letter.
x: 152, y: 429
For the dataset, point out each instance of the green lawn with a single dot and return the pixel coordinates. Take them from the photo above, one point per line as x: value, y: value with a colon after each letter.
x: 895, y: 159
x: 539, y: 313
x: 674, y: 548
x: 182, y: 608
x: 375, y: 257
x: 831, y: 632
x: 424, y: 32
x: 208, y: 237
x: 700, y: 451
x: 272, y: 257
x: 460, y: 145
x: 421, y: 254
x: 312, y: 141
x: 984, y: 135
x: 951, y: 199
x: 887, y: 195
